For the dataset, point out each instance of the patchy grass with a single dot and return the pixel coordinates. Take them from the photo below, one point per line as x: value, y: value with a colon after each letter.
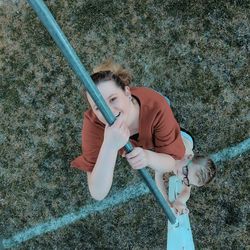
x: 196, y: 53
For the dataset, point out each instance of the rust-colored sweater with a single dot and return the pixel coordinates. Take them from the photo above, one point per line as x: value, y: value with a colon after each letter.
x: 158, y: 130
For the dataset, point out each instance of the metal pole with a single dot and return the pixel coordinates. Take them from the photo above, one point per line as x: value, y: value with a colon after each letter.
x: 62, y: 42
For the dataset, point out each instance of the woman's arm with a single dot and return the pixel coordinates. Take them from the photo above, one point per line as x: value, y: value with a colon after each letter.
x: 159, y: 180
x: 160, y: 162
x: 139, y: 158
x: 101, y: 178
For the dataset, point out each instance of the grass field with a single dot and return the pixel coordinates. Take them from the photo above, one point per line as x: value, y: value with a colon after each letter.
x: 194, y: 52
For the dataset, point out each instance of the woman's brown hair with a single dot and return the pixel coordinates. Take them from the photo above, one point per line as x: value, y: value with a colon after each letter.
x: 112, y: 71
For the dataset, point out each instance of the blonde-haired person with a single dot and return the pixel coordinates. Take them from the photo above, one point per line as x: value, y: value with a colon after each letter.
x: 193, y: 170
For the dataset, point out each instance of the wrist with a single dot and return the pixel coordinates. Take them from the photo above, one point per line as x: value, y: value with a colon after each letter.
x: 148, y: 156
x: 110, y: 146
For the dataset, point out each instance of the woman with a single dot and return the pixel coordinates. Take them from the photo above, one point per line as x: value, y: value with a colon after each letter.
x: 143, y: 116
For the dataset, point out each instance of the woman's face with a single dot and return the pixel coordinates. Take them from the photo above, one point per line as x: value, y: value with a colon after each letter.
x: 116, y: 98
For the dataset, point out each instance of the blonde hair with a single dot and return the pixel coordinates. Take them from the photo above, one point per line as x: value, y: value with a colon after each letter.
x: 108, y: 69
x: 207, y: 169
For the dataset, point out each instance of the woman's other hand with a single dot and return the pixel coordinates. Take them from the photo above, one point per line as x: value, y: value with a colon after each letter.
x: 137, y: 158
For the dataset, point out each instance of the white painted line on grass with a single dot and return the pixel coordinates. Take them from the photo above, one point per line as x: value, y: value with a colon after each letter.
x: 123, y: 196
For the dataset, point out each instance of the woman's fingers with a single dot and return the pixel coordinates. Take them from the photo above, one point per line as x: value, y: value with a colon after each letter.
x: 136, y: 158
x: 118, y: 122
x: 117, y: 134
x: 138, y: 164
x: 133, y: 153
x: 186, y: 211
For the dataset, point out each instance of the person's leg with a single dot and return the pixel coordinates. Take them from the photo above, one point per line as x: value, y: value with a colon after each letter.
x: 188, y: 136
x: 168, y: 101
x: 184, y: 132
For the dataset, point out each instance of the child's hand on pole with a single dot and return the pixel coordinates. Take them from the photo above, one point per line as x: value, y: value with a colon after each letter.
x: 137, y: 158
x: 179, y: 207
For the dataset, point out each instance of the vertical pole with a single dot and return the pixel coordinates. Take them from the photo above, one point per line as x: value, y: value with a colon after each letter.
x: 58, y: 36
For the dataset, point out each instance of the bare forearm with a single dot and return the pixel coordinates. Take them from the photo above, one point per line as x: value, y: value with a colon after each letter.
x: 184, y: 195
x: 160, y: 162
x: 161, y: 186
x: 101, y: 178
